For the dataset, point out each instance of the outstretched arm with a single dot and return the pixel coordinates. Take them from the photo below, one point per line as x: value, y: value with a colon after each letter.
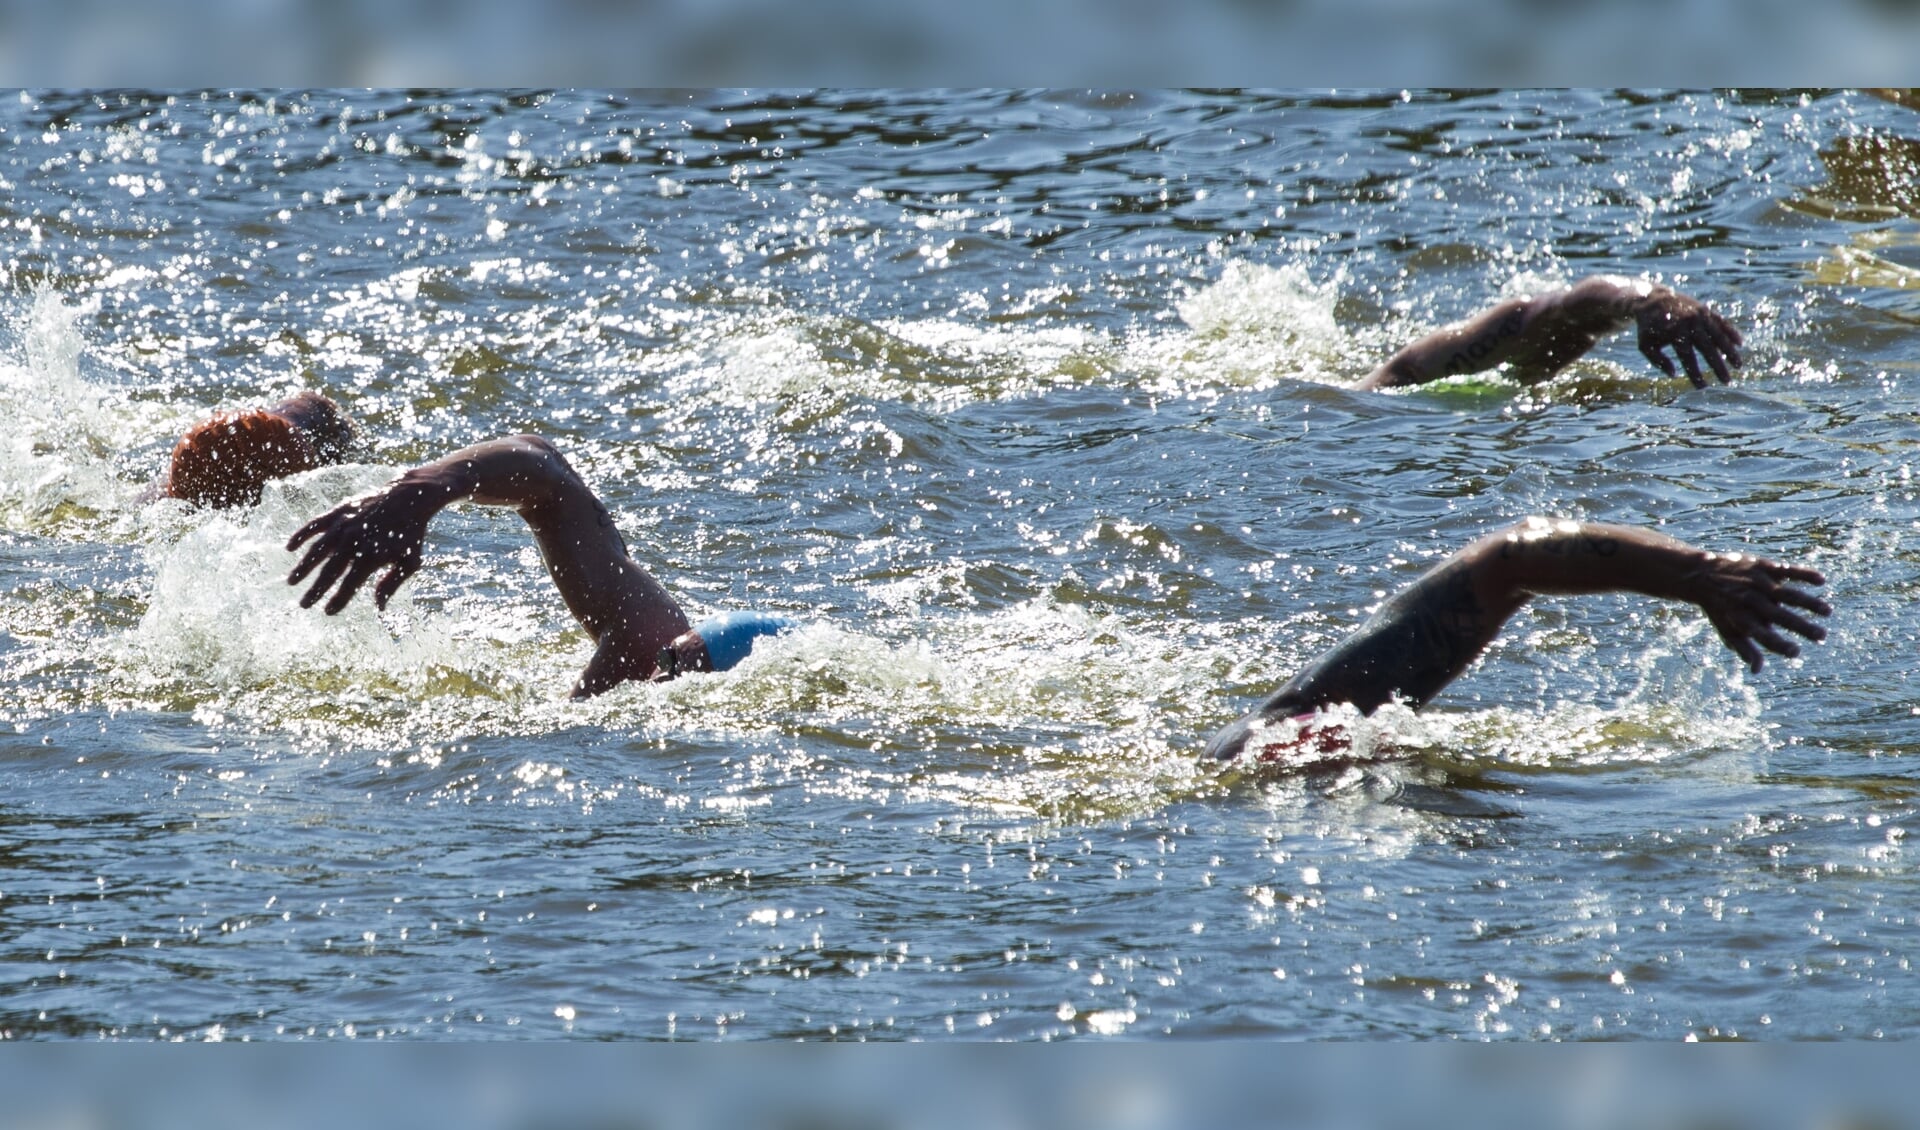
x: 1428, y: 633
x: 1540, y: 336
x: 629, y: 615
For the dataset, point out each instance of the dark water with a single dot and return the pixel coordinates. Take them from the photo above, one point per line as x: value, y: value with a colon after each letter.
x: 1031, y: 404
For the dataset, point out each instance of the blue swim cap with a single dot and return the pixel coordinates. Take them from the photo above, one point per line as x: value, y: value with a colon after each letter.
x: 730, y: 635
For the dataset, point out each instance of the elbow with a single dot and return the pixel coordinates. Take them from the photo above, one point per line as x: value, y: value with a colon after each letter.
x: 539, y: 457
x: 1530, y: 537
x: 1541, y: 530
x: 536, y: 443
x: 549, y: 466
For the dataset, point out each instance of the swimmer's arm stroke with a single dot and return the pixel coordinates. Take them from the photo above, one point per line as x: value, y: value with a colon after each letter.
x: 1537, y: 337
x: 625, y: 610
x: 1427, y: 634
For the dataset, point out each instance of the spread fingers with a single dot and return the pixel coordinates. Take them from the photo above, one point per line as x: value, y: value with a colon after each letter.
x: 1660, y: 360
x: 329, y: 573
x: 356, y: 576
x: 1691, y: 361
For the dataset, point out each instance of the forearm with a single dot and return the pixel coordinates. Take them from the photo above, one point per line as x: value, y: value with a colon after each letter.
x: 529, y: 475
x: 1428, y: 633
x: 516, y: 471
x: 629, y: 614
x: 600, y: 583
x: 1542, y: 556
x: 1541, y: 334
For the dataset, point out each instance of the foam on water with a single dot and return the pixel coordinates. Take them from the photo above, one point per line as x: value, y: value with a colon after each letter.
x: 1012, y: 407
x: 807, y: 367
x: 63, y: 435
x: 1064, y: 709
x: 1038, y: 666
x: 222, y: 613
x: 1093, y: 705
x: 1678, y: 694
x: 1253, y: 326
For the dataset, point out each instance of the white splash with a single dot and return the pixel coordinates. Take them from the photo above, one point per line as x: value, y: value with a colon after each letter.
x: 1252, y: 327
x: 63, y: 435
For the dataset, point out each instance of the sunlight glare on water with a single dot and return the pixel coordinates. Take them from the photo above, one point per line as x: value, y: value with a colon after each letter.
x: 1033, y: 408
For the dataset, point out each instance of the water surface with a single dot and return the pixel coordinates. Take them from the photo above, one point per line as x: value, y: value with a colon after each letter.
x: 1032, y: 405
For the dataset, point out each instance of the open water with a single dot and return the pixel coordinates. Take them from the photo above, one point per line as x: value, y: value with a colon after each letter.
x: 1031, y: 404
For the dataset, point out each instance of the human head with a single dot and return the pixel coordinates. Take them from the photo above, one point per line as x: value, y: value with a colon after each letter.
x: 321, y: 421
x: 225, y: 461
x: 719, y: 642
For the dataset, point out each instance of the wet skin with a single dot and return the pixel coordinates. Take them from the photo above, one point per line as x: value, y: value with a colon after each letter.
x: 1427, y: 634
x: 629, y: 615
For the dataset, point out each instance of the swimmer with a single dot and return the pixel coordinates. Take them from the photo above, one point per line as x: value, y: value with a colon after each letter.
x: 638, y: 630
x: 1427, y: 634
x: 225, y: 461
x: 1537, y: 337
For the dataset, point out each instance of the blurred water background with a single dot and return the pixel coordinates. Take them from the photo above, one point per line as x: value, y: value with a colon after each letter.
x: 1031, y: 404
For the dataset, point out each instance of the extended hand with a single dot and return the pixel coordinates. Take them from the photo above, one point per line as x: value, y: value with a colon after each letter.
x: 1667, y: 318
x: 356, y: 539
x: 1747, y: 598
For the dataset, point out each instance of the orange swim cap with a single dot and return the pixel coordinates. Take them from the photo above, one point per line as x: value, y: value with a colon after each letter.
x: 225, y: 461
